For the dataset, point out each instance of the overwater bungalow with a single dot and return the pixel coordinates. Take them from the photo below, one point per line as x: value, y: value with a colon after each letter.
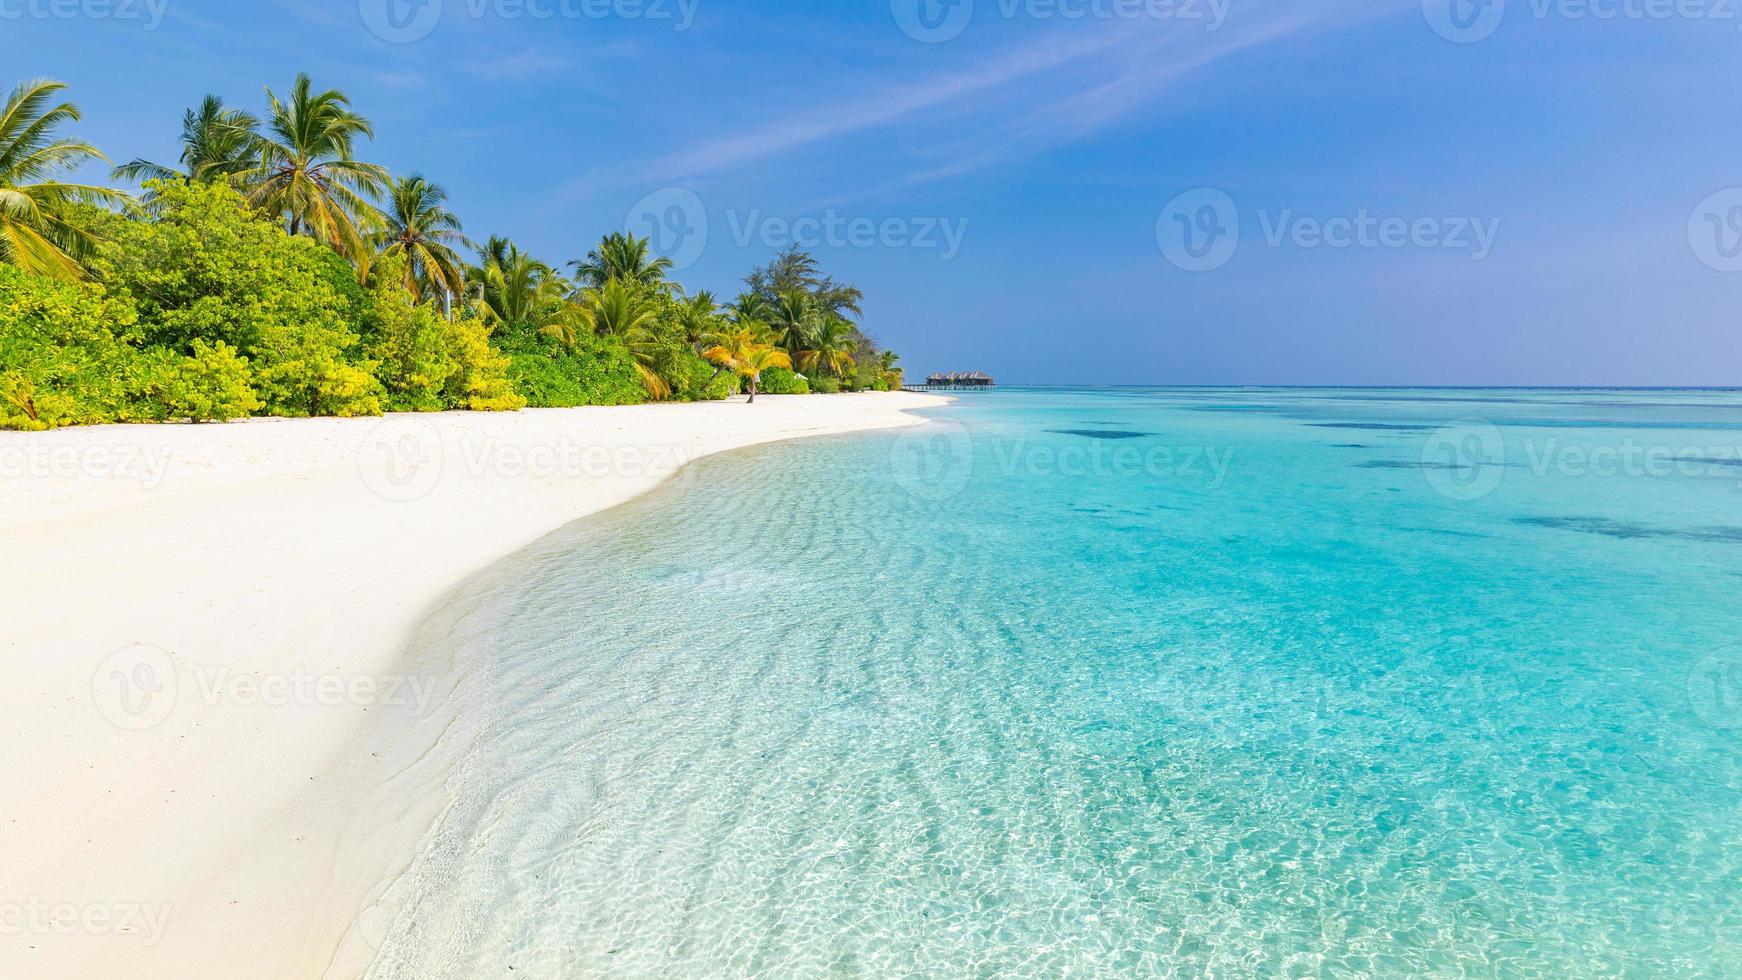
x: 957, y: 381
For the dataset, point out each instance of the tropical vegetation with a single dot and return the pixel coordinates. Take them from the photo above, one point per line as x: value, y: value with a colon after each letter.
x: 272, y: 269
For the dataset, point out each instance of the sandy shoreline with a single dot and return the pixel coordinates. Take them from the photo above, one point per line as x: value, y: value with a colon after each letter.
x: 204, y: 623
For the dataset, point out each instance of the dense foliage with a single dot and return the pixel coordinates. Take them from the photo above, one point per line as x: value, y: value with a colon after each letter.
x: 273, y: 272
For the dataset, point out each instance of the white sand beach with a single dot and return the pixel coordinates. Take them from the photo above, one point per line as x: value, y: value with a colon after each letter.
x: 203, y: 644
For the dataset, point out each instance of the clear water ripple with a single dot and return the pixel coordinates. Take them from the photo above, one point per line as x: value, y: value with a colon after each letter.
x: 816, y: 713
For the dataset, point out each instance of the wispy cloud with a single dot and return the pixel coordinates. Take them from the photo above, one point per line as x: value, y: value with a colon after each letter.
x: 1140, y: 81
x: 885, y: 108
x: 518, y: 65
x: 1066, y: 85
x: 408, y: 80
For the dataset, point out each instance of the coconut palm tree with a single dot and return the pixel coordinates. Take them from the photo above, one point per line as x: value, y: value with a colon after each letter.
x: 426, y: 233
x: 625, y: 257
x: 831, y: 347
x: 744, y: 353
x: 216, y: 144
x: 41, y: 228
x: 889, y: 363
x: 618, y: 308
x: 483, y: 280
x: 523, y: 291
x: 628, y: 313
x: 699, y: 316
x: 794, y: 317
x: 309, y: 174
x: 750, y: 310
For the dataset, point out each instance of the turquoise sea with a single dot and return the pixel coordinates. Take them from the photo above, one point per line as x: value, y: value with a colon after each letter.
x: 1128, y: 682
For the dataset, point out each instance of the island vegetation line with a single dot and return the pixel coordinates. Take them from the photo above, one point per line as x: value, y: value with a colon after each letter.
x: 271, y: 271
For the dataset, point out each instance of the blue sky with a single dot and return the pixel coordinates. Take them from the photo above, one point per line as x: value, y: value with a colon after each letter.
x: 1524, y: 194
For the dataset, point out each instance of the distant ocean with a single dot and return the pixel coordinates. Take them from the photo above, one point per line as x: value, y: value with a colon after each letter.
x: 1121, y: 682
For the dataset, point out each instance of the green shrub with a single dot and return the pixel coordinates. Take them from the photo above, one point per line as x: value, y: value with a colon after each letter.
x: 781, y: 381
x: 596, y: 371
x: 479, y: 381
x: 408, y: 342
x: 206, y: 268
x: 824, y: 384
x: 68, y: 354
x: 692, y: 378
x: 210, y: 386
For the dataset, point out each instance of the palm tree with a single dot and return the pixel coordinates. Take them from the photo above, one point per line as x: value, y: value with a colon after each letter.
x: 831, y: 348
x: 309, y: 174
x: 794, y: 318
x: 889, y: 363
x: 628, y: 313
x: 699, y: 316
x: 216, y: 144
x: 618, y: 308
x: 426, y: 233
x: 743, y: 353
x: 483, y: 281
x: 625, y: 257
x: 522, y: 291
x: 749, y: 311
x: 41, y: 229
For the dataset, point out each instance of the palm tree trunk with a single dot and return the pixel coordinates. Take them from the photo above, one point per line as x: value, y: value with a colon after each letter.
x: 755, y: 379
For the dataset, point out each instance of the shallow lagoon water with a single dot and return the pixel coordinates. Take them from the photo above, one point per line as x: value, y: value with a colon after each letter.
x: 1233, y: 694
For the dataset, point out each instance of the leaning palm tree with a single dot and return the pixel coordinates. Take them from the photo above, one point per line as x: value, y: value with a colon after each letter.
x: 216, y: 144
x: 743, y: 353
x: 426, y: 234
x: 831, y: 348
x: 309, y: 175
x: 624, y: 257
x: 794, y: 317
x: 42, y: 230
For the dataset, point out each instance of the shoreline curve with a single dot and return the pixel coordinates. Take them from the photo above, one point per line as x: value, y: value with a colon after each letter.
x: 269, y: 578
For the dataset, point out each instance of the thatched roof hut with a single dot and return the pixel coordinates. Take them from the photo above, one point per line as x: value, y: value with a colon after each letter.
x: 970, y: 379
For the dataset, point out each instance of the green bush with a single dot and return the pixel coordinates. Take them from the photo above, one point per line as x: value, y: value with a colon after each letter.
x: 70, y: 354
x: 824, y: 384
x: 408, y: 342
x: 781, y: 381
x: 67, y: 353
x: 596, y: 371
x: 210, y: 386
x: 426, y: 362
x: 692, y: 378
x: 479, y: 381
x: 206, y: 268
